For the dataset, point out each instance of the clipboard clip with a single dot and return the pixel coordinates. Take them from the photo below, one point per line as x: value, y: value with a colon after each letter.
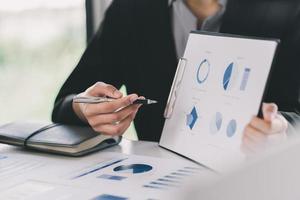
x: 175, y: 87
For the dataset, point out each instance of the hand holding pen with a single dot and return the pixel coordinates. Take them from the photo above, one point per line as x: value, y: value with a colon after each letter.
x: 111, y: 115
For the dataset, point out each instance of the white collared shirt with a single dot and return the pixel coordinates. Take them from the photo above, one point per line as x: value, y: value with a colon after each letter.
x: 184, y: 21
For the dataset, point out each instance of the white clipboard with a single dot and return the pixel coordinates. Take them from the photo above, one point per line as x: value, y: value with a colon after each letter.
x: 218, y: 87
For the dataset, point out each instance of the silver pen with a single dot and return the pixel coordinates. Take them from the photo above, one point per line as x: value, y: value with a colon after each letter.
x: 95, y: 100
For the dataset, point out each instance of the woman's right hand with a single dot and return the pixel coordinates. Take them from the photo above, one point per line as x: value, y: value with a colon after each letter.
x: 110, y: 118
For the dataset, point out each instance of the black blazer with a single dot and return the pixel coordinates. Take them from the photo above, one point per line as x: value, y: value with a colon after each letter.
x: 135, y: 47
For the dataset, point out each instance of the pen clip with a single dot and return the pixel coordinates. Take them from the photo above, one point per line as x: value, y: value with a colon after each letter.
x: 175, y: 87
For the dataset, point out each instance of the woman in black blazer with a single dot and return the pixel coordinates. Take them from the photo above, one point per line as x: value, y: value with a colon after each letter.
x: 135, y: 47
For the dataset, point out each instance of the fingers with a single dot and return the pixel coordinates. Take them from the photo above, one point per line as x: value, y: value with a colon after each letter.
x: 113, y: 118
x: 262, y: 133
x: 253, y: 140
x: 273, y: 122
x: 254, y: 135
x: 269, y: 111
x: 103, y: 89
x: 249, y: 147
x: 117, y: 129
x: 109, y: 107
x: 277, y: 125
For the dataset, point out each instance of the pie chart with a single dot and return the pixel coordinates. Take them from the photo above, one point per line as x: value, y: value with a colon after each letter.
x: 230, y: 76
x: 133, y: 169
x: 231, y: 128
x: 216, y: 123
x: 203, y: 71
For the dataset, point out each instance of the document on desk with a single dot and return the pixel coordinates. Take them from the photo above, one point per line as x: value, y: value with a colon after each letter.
x: 135, y: 171
x: 14, y: 166
x: 135, y: 177
x: 96, y: 177
x: 218, y: 88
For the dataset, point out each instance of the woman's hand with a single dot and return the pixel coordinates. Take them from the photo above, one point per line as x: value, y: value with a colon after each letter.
x: 110, y: 118
x: 260, y: 134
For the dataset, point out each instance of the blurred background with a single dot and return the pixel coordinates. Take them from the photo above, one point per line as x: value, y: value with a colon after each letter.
x: 40, y: 44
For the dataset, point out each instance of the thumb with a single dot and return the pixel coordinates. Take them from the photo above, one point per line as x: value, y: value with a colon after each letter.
x: 269, y: 111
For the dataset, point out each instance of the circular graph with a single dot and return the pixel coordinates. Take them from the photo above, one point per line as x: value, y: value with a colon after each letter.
x: 230, y: 76
x: 203, y: 71
x: 231, y: 128
x: 133, y: 169
x: 216, y: 123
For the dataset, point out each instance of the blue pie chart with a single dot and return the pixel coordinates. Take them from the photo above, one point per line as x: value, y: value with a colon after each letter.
x: 203, y: 71
x: 133, y: 169
x: 231, y: 128
x: 230, y: 76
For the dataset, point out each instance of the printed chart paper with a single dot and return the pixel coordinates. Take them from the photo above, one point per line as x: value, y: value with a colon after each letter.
x: 100, y: 176
x: 220, y: 91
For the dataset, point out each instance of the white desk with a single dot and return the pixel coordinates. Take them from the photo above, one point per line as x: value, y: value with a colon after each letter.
x: 87, y: 189
x: 126, y: 146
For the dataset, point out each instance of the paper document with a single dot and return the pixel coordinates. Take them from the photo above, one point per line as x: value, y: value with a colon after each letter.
x: 99, y: 177
x: 218, y: 88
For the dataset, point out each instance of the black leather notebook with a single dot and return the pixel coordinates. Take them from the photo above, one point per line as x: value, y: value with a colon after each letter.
x: 55, y: 138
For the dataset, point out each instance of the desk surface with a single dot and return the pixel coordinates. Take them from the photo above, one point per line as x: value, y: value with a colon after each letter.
x: 145, y: 149
x: 126, y: 146
x: 152, y: 149
x: 64, y: 167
